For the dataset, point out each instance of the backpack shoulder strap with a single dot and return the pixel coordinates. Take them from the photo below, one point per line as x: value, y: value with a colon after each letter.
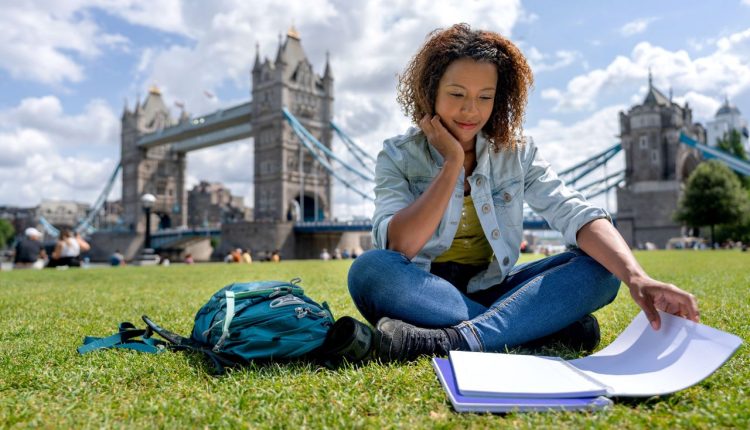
x: 125, y: 338
x: 184, y: 343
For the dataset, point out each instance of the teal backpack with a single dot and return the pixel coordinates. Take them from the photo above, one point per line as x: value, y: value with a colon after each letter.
x: 251, y: 321
x: 262, y: 320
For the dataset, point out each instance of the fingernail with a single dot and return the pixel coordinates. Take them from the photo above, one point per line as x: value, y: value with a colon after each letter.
x: 654, y: 325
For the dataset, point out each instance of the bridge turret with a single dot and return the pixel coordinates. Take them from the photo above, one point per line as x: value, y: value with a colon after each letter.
x: 158, y: 170
x: 286, y: 174
x: 655, y: 166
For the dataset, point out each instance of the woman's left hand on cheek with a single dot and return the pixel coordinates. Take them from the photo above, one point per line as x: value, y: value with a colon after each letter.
x: 651, y: 295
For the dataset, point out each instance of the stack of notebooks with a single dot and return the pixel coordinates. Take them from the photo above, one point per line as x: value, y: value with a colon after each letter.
x: 641, y: 362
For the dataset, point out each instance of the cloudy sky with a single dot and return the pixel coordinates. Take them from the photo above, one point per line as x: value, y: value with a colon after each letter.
x: 68, y: 67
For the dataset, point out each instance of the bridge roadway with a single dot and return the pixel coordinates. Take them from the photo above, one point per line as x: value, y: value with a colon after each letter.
x: 165, y: 238
x: 224, y: 125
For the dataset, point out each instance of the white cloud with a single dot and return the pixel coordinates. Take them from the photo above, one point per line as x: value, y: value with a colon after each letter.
x: 47, y: 175
x: 48, y: 41
x: 48, y: 154
x: 564, y: 145
x: 163, y: 15
x: 96, y: 127
x: 636, y: 26
x: 36, y: 45
x: 726, y: 70
x: 540, y: 62
x: 703, y: 107
x: 17, y: 146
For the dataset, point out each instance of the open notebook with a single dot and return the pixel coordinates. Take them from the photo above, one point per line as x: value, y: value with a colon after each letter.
x: 640, y: 362
x: 496, y: 404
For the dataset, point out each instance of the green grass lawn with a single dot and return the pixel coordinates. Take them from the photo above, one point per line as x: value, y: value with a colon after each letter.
x: 44, y: 316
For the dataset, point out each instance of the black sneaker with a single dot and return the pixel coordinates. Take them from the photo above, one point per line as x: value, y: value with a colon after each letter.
x: 582, y: 335
x: 398, y: 341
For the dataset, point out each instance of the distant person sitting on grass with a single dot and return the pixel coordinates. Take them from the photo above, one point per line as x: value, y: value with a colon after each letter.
x: 117, y: 259
x: 30, y: 253
x: 68, y: 250
x: 448, y: 220
x: 247, y: 257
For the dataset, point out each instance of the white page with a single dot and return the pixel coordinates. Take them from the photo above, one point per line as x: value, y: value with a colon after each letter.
x: 640, y: 362
x: 488, y: 374
x: 644, y: 362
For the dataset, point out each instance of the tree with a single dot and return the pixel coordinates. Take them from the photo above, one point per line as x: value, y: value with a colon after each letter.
x: 6, y: 232
x: 713, y: 196
x: 738, y: 231
x: 731, y: 143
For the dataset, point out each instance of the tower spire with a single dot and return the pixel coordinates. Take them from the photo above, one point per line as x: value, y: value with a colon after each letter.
x: 278, y: 51
x: 327, y: 72
x: 256, y: 65
x: 650, y: 79
x: 293, y: 33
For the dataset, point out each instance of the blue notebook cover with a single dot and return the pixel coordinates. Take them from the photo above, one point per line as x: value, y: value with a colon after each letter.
x: 463, y: 403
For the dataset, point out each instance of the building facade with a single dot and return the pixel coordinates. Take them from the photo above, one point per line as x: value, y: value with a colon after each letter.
x: 63, y: 214
x: 656, y: 166
x: 727, y: 118
x: 211, y: 204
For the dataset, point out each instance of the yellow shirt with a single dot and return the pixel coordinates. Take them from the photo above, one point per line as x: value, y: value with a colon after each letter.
x: 469, y: 246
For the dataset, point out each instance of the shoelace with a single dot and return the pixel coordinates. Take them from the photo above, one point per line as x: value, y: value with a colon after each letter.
x: 419, y: 341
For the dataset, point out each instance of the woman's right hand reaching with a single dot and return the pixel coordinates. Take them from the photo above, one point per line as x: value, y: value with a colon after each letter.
x: 441, y: 139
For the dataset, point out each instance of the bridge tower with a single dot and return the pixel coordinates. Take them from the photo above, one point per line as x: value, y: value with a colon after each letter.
x: 656, y: 166
x: 158, y: 170
x: 289, y: 184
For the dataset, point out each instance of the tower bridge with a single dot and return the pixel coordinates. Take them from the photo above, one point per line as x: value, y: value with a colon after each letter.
x: 289, y: 184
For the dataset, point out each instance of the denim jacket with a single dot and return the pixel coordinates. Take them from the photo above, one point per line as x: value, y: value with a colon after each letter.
x: 500, y: 183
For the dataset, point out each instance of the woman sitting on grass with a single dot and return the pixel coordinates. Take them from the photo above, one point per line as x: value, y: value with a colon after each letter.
x: 68, y: 250
x: 449, y: 217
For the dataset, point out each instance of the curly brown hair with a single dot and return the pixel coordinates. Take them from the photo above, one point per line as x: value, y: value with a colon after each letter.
x: 418, y: 85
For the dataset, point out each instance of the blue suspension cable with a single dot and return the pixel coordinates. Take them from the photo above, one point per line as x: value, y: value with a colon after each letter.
x: 600, y: 181
x: 295, y: 123
x: 354, y: 149
x: 597, y: 161
x: 351, y: 142
x: 300, y: 132
x: 734, y: 163
x: 48, y: 227
x: 85, y: 224
x: 606, y: 188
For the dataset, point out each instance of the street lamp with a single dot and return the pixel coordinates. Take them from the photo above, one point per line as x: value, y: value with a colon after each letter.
x: 147, y: 201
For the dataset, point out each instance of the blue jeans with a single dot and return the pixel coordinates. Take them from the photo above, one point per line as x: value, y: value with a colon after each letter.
x: 535, y: 299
